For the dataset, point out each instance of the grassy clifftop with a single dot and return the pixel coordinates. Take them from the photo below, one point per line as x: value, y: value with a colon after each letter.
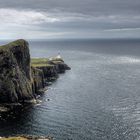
x: 40, y: 62
x: 14, y: 138
x: 45, y: 62
x: 22, y: 77
x: 19, y: 42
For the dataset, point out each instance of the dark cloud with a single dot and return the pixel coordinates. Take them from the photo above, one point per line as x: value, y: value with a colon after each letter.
x: 81, y: 6
x: 72, y: 15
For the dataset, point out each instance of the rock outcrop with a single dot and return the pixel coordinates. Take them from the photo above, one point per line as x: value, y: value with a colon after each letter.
x: 24, y: 137
x: 19, y: 81
x: 15, y: 73
x: 38, y: 80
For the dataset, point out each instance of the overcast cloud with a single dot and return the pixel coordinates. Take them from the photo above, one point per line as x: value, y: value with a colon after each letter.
x: 44, y: 19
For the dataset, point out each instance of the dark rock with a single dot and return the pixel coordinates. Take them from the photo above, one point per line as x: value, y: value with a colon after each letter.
x: 15, y: 84
x: 38, y: 81
x: 19, y: 82
x: 49, y: 71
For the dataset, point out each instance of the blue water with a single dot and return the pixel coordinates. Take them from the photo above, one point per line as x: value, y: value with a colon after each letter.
x: 98, y: 99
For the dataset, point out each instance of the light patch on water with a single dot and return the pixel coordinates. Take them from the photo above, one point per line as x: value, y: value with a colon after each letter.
x: 100, y: 58
x: 109, y: 59
x: 126, y: 59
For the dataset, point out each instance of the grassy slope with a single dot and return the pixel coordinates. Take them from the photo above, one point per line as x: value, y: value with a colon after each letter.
x: 41, y: 62
x: 35, y: 62
x: 14, y: 43
x: 14, y: 138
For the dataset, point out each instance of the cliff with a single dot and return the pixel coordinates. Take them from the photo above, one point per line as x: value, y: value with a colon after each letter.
x: 50, y: 68
x: 19, y: 81
x: 15, y: 72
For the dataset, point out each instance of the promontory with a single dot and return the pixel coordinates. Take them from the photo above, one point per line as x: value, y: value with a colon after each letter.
x: 22, y: 78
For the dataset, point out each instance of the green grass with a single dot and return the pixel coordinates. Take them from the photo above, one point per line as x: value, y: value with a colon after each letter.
x: 14, y: 138
x: 40, y: 62
x: 57, y: 59
x: 35, y: 62
x: 14, y: 43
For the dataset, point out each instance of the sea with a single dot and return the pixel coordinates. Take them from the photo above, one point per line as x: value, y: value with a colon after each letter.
x: 98, y: 99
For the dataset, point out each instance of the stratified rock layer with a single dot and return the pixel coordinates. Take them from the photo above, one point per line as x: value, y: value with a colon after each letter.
x: 38, y: 80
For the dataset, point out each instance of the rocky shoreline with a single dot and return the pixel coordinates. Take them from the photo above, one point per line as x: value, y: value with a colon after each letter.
x: 23, y: 78
x: 26, y: 137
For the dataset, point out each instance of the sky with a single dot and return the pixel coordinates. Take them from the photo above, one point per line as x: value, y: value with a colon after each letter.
x: 49, y: 19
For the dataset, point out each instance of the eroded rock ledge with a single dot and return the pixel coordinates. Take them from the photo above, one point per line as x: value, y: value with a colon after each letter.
x: 26, y: 138
x: 21, y: 77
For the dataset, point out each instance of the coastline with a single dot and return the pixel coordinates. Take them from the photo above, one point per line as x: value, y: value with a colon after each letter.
x: 26, y: 137
x: 23, y: 78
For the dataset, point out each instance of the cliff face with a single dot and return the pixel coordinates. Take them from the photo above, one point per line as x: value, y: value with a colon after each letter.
x: 20, y: 50
x: 19, y: 82
x: 48, y: 71
x: 59, y: 64
x: 15, y: 73
x: 38, y: 80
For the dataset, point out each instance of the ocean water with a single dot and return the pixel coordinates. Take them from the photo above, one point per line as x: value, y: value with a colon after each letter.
x: 98, y: 99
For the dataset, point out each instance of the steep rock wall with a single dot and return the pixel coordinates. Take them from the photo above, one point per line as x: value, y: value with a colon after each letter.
x: 15, y: 74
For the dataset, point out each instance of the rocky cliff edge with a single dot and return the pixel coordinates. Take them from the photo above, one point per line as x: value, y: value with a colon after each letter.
x: 21, y: 79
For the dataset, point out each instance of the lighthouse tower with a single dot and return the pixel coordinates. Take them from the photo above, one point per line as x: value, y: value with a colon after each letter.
x: 58, y: 56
